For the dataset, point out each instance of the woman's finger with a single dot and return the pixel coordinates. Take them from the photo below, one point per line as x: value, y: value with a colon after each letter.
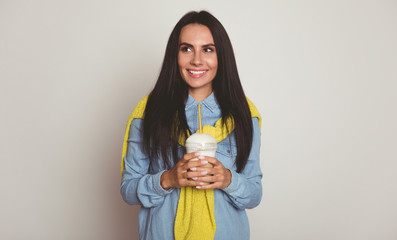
x: 202, y: 161
x: 207, y: 179
x: 201, y: 185
x: 215, y: 162
x: 195, y: 174
x: 189, y: 156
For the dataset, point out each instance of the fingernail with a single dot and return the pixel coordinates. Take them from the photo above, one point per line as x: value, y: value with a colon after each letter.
x: 196, y: 154
x: 201, y: 157
x: 201, y: 183
x: 194, y: 178
x: 204, y: 162
x: 204, y: 172
x: 193, y: 169
x: 198, y: 187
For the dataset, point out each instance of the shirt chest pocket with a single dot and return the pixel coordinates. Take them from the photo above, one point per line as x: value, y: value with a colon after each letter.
x: 227, y: 152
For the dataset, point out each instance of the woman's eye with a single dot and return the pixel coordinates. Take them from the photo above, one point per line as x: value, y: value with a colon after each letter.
x: 186, y: 49
x: 208, y: 50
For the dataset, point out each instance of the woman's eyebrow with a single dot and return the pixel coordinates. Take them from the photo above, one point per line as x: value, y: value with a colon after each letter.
x: 190, y: 45
x: 209, y: 45
x: 185, y: 44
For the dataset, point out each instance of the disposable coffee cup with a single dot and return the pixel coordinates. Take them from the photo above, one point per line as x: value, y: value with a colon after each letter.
x: 202, y: 143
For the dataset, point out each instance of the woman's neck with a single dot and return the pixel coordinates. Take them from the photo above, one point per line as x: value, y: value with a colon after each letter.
x: 200, y: 94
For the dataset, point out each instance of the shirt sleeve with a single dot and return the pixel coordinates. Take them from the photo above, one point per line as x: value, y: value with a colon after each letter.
x: 245, y: 189
x: 138, y: 187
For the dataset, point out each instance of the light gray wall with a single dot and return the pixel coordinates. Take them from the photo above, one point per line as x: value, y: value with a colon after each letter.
x: 322, y: 73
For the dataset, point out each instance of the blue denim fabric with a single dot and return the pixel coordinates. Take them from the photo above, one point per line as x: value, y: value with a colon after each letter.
x: 158, y: 206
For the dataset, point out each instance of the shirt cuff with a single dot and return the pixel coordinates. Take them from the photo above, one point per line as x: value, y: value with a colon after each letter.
x: 233, y: 186
x: 157, y: 185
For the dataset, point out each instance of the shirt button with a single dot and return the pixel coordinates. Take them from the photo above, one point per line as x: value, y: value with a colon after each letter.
x: 228, y: 151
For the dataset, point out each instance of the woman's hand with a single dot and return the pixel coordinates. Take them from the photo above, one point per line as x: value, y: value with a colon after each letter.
x: 216, y: 177
x: 185, y: 172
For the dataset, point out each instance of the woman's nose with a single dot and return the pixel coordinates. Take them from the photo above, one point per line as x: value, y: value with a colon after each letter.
x: 196, y: 59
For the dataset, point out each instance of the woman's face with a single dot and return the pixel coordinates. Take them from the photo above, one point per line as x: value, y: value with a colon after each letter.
x: 197, y: 58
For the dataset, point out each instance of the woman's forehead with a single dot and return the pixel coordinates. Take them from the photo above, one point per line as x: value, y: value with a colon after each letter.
x: 196, y: 33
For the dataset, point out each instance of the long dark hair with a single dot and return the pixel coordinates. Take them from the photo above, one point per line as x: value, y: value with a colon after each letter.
x: 165, y: 119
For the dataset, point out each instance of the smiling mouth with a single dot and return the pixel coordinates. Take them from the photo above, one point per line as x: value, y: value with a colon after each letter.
x: 196, y: 73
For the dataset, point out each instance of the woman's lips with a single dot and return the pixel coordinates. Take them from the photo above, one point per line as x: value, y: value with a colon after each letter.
x: 196, y: 73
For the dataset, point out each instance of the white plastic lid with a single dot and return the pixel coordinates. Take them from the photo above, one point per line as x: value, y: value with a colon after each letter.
x: 201, y: 141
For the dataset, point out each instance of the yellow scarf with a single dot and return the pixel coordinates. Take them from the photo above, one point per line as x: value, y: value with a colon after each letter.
x: 195, y: 216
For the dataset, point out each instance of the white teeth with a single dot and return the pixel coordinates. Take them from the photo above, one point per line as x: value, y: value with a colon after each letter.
x: 196, y: 72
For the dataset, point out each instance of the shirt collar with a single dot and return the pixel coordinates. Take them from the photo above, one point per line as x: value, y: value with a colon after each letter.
x: 210, y: 102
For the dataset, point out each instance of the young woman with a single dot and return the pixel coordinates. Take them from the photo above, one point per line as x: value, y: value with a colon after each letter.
x: 182, y: 199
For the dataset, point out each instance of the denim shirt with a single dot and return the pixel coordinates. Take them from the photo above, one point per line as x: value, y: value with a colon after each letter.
x: 159, y: 206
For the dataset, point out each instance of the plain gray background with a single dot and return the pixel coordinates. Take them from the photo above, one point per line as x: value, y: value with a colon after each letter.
x: 322, y: 73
